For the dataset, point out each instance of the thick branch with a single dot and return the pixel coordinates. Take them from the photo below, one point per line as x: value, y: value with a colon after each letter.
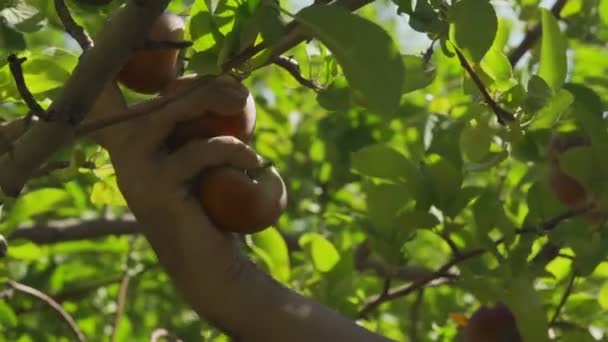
x: 71, y: 230
x: 98, y: 65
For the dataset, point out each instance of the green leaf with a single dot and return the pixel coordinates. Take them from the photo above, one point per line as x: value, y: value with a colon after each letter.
x: 34, y: 203
x: 8, y: 318
x: 405, y: 6
x: 205, y: 62
x: 419, y: 73
x: 384, y: 201
x: 553, y: 61
x: 425, y: 19
x: 497, y: 66
x: 271, y: 244
x: 336, y: 96
x: 602, y: 296
x: 603, y: 11
x: 25, y: 252
x: 527, y: 306
x: 106, y: 192
x: 370, y: 60
x: 539, y: 93
x: 323, y: 253
x: 475, y: 141
x: 473, y: 36
x: 445, y: 180
x: 10, y: 38
x: 488, y: 211
x: 382, y: 162
x: 22, y: 17
x: 551, y: 112
x: 272, y: 27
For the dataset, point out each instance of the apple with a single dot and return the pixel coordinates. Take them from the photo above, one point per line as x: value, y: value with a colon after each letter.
x: 242, y: 201
x: 492, y: 324
x: 149, y: 71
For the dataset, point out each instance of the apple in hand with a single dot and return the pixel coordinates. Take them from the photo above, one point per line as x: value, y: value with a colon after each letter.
x: 242, y: 201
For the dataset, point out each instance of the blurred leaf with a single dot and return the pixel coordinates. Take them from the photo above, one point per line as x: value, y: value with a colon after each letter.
x: 475, y: 141
x: 446, y: 181
x: 205, y: 62
x: 419, y: 73
x: 271, y: 243
x: 336, y: 97
x: 323, y: 253
x: 26, y: 252
x: 466, y: 33
x: 34, y: 203
x: 603, y: 11
x: 553, y: 61
x: 551, y: 112
x: 371, y: 62
x: 384, y: 201
x: 539, y: 93
x: 602, y: 296
x: 22, y: 16
x: 8, y: 318
x: 527, y: 306
x: 106, y: 192
x: 383, y: 162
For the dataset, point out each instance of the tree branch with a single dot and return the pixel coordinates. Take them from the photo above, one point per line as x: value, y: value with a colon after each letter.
x: 15, y: 66
x: 502, y: 115
x: 293, y: 36
x: 50, y: 303
x: 71, y: 27
x: 374, y: 302
x: 127, y: 29
x: 74, y: 229
x: 293, y: 69
x: 564, y: 299
x: 532, y: 36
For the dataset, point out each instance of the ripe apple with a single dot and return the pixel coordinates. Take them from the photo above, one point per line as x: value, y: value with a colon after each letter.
x: 242, y: 201
x: 492, y: 324
x: 148, y: 71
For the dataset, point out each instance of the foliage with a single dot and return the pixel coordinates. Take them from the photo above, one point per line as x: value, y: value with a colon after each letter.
x: 399, y: 148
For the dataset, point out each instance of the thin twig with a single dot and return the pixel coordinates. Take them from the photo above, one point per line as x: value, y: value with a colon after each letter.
x: 52, y: 304
x: 123, y: 290
x: 564, y: 299
x: 502, y: 115
x: 79, y: 34
x: 415, y: 286
x: 532, y: 36
x: 293, y: 36
x: 17, y: 72
x: 373, y: 303
x: 415, y: 315
x: 365, y: 262
x: 292, y: 67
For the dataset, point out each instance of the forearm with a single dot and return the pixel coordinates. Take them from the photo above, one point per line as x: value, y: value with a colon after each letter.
x: 227, y: 289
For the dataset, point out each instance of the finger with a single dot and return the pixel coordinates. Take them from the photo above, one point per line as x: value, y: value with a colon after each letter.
x: 197, y: 155
x: 219, y: 95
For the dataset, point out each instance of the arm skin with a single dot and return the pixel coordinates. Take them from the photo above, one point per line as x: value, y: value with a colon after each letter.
x: 206, y: 265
